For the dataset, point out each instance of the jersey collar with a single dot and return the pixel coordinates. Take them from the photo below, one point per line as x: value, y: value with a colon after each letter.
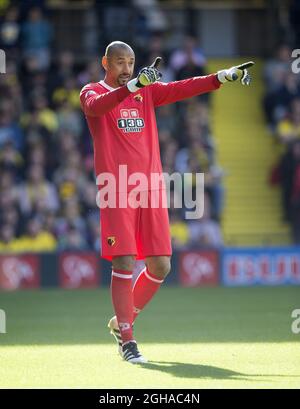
x: 103, y: 83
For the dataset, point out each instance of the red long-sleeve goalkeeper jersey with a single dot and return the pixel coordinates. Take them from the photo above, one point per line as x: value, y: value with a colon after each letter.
x: 123, y: 124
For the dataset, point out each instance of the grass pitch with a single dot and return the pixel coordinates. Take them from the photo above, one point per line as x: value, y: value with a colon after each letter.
x: 193, y: 338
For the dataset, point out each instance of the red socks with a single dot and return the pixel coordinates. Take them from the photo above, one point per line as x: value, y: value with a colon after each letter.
x: 145, y: 287
x: 128, y: 301
x: 122, y: 298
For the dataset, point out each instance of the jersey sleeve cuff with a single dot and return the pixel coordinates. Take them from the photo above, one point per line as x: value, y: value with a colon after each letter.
x: 131, y: 85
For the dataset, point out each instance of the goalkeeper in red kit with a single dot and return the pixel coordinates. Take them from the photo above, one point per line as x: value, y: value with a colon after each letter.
x: 121, y: 119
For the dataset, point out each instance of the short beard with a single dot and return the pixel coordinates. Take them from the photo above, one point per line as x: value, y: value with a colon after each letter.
x: 123, y: 81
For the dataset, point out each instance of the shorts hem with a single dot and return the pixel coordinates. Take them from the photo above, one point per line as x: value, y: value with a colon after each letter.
x: 137, y: 256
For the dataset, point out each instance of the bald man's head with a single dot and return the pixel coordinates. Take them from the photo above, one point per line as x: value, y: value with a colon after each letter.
x: 117, y: 47
x: 118, y: 63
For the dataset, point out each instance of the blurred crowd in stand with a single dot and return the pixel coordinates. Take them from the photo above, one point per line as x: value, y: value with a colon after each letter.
x: 282, y: 111
x: 47, y: 181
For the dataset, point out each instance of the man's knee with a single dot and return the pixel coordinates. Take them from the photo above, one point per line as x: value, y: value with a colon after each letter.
x: 160, y: 266
x: 123, y: 263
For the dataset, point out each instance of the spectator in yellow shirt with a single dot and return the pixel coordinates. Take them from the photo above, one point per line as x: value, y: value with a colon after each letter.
x: 288, y: 130
x: 8, y: 243
x: 46, y: 116
x: 68, y: 91
x: 36, y: 240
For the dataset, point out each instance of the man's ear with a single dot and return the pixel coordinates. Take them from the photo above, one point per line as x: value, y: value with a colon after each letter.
x: 104, y: 62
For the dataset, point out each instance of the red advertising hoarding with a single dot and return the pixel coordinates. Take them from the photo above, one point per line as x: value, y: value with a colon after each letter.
x: 19, y: 272
x: 79, y: 270
x: 199, y: 268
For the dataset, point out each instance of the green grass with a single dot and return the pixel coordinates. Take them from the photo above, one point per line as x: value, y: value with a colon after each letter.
x: 194, y: 338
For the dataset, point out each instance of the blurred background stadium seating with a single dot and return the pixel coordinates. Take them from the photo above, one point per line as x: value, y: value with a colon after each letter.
x: 245, y: 140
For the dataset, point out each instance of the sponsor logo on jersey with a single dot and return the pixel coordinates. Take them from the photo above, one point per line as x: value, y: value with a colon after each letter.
x: 90, y: 93
x: 130, y: 121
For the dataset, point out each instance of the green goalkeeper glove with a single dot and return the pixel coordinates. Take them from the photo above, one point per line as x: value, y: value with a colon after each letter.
x: 238, y: 72
x: 147, y: 76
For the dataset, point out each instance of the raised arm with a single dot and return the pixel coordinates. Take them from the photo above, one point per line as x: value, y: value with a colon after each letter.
x: 95, y: 104
x: 163, y: 93
x: 167, y: 93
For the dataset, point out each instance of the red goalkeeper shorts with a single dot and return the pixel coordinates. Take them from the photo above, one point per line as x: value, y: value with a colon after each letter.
x: 141, y: 231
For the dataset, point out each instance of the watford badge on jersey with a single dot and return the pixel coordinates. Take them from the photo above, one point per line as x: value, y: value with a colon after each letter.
x: 138, y: 98
x: 111, y: 241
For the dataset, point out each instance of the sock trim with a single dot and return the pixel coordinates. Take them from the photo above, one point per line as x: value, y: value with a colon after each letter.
x: 153, y: 279
x: 126, y: 276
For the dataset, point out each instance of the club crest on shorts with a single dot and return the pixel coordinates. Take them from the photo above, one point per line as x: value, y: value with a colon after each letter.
x: 111, y: 241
